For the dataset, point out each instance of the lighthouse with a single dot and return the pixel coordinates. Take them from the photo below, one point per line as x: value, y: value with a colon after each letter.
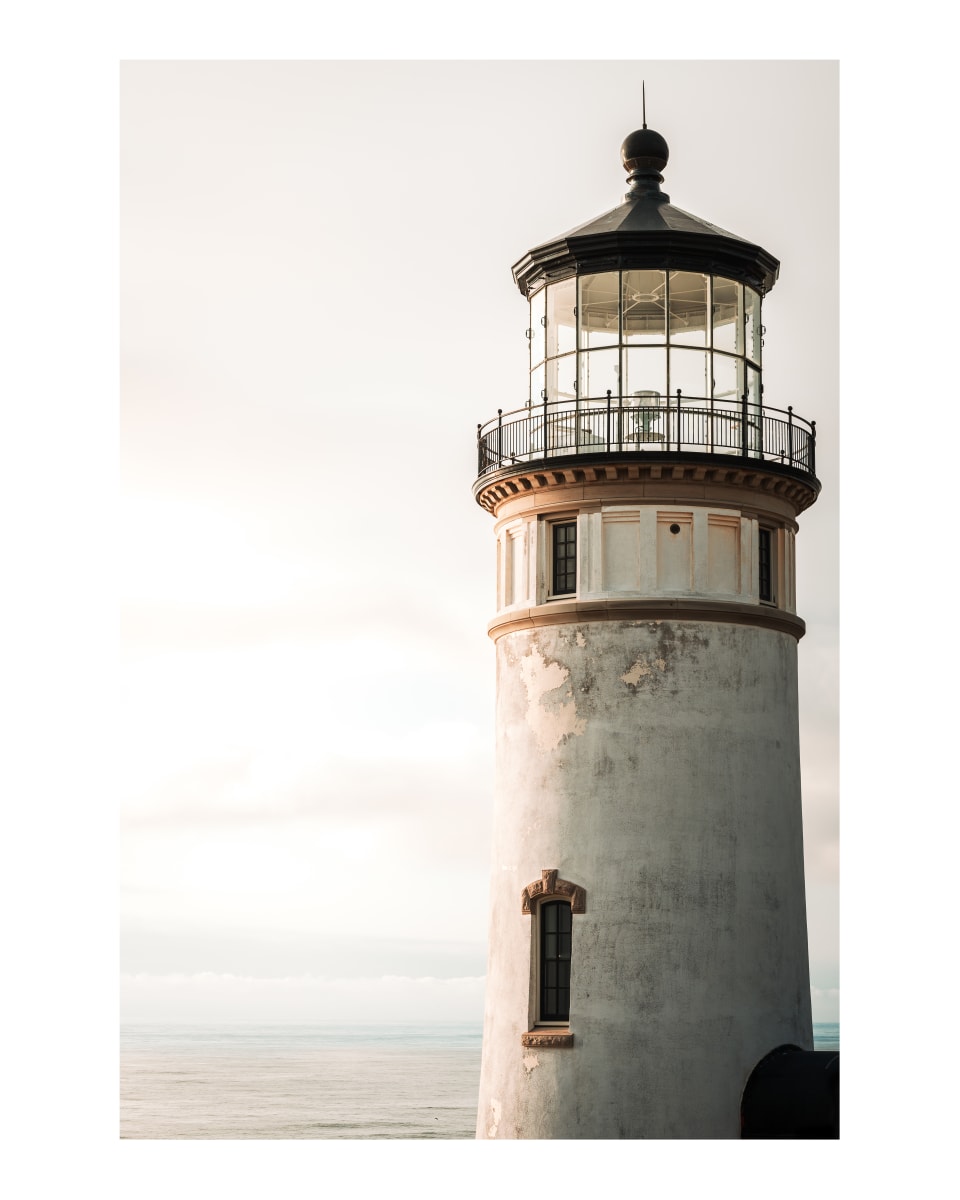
x: 647, y: 937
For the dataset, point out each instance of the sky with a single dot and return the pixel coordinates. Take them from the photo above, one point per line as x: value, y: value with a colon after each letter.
x: 316, y: 310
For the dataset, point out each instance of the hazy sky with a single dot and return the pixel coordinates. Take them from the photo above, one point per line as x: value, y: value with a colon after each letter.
x: 316, y: 311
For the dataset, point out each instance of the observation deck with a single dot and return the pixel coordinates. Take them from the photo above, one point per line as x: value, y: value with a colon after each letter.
x: 671, y: 429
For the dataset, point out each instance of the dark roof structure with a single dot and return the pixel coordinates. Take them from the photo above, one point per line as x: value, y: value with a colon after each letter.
x: 646, y: 231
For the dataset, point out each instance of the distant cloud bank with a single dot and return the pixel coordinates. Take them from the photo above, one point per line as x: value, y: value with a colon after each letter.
x: 158, y: 999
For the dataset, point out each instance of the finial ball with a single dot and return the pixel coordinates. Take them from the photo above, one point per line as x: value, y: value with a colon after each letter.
x: 644, y: 148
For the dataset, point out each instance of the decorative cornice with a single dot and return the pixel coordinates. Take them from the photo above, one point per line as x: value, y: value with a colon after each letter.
x: 550, y: 885
x: 540, y: 1038
x: 655, y: 474
x: 571, y: 612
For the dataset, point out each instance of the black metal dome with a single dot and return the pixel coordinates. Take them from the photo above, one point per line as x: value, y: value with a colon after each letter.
x: 646, y: 231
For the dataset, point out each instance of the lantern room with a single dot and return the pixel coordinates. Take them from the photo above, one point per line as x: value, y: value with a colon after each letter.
x: 645, y: 334
x: 646, y: 337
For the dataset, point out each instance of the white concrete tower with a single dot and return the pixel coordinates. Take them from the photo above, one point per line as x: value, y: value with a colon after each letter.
x: 648, y: 942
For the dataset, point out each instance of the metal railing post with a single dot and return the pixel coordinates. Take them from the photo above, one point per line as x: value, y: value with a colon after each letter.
x: 499, y: 437
x: 712, y: 434
x: 620, y: 421
x: 813, y: 447
x: 678, y: 422
x: 608, y: 420
x: 743, y: 425
x: 790, y: 433
x: 481, y: 466
x: 544, y: 425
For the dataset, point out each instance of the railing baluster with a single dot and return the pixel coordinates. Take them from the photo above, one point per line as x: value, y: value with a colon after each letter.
x: 678, y: 420
x: 743, y: 425
x: 608, y: 420
x: 790, y: 433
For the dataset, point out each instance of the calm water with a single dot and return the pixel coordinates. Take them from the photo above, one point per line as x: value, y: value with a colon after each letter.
x: 307, y: 1081
x: 299, y: 1081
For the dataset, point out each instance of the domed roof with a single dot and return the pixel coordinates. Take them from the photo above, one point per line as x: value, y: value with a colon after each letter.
x: 647, y: 231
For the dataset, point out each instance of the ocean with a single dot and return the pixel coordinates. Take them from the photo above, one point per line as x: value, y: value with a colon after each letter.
x: 307, y: 1081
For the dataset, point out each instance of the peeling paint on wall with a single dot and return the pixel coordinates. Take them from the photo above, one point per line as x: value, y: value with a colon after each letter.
x: 641, y: 668
x: 530, y: 1062
x: 494, y: 1119
x: 551, y: 717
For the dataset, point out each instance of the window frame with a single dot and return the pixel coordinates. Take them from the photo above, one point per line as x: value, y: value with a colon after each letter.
x: 549, y: 887
x: 766, y: 533
x: 542, y: 1020
x: 554, y: 526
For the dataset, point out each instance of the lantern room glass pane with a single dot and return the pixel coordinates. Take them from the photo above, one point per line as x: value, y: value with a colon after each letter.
x: 726, y: 378
x: 538, y: 331
x: 689, y: 371
x: 752, y: 338
x: 599, y: 310
x: 644, y: 307
x: 538, y: 381
x: 753, y: 386
x: 754, y: 415
x: 561, y: 317
x: 562, y: 378
x: 599, y: 370
x: 645, y: 374
x: 727, y: 316
x: 688, y: 309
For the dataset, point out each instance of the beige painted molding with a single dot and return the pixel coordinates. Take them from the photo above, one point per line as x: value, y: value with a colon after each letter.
x: 572, y: 612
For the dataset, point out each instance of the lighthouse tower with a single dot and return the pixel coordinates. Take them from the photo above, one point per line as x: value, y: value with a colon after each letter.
x: 648, y: 943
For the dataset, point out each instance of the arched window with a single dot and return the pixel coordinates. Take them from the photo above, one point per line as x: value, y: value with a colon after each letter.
x: 552, y: 903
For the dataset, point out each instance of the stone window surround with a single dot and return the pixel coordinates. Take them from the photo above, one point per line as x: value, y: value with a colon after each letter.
x: 549, y: 887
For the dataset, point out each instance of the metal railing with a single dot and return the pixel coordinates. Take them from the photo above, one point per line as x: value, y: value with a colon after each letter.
x: 673, y: 425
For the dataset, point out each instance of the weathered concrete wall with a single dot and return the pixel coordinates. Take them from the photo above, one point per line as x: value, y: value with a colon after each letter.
x: 655, y: 764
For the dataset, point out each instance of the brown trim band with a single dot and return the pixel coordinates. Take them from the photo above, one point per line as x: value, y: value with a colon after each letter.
x: 714, y: 479
x: 570, y: 612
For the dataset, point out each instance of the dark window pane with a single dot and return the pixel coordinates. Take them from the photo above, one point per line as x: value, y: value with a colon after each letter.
x: 555, y: 960
x: 564, y: 558
x: 766, y: 588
